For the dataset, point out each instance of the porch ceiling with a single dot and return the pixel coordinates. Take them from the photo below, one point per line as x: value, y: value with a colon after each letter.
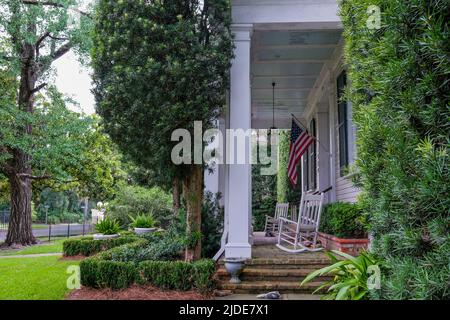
x: 293, y: 59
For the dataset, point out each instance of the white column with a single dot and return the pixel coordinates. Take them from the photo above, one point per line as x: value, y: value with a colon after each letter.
x: 239, y: 175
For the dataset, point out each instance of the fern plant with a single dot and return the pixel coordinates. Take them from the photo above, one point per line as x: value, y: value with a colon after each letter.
x: 352, y: 276
x: 107, y: 226
x: 143, y: 221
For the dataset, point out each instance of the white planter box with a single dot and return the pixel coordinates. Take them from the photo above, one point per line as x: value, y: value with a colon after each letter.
x: 100, y: 236
x: 144, y: 230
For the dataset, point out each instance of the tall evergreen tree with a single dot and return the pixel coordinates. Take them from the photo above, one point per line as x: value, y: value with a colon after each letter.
x: 160, y: 66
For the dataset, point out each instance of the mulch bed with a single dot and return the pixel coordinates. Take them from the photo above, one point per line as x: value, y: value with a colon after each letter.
x: 134, y: 292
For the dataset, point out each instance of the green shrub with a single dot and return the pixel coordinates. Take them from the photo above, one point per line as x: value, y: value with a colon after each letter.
x: 88, y: 247
x: 107, y: 226
x: 142, y: 221
x: 343, y: 220
x: 203, y: 275
x: 400, y: 95
x: 178, y: 275
x: 99, y: 273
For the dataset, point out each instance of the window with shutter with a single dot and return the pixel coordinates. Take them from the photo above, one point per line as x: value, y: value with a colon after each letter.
x: 342, y: 123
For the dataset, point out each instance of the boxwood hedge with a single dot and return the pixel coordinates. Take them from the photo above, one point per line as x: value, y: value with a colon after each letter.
x: 104, y: 271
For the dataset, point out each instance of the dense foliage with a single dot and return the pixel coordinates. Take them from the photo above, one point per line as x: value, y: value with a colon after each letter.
x: 400, y: 93
x: 343, y: 220
x: 286, y: 192
x: 132, y: 201
x: 212, y: 224
x: 264, y: 197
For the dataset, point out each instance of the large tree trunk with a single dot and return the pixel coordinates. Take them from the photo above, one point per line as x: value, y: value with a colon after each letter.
x: 20, y: 230
x: 193, y: 195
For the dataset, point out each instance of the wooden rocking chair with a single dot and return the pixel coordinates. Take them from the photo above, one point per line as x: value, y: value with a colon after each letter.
x: 301, y: 235
x: 272, y: 223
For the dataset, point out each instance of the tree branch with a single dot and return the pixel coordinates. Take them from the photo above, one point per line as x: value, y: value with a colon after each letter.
x: 38, y: 88
x: 32, y: 177
x: 53, y: 4
x: 61, y: 51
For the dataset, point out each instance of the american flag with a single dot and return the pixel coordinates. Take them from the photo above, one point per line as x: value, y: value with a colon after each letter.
x: 300, y: 141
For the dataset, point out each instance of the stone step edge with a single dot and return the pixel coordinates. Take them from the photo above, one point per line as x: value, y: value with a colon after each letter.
x: 249, y: 271
x: 268, y: 285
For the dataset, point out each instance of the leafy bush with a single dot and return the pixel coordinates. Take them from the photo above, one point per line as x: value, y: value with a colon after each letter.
x: 88, y: 246
x: 107, y: 226
x: 350, y: 276
x: 97, y: 273
x: 212, y: 224
x: 177, y: 275
x: 143, y: 221
x: 134, y: 200
x: 400, y: 95
x: 343, y: 220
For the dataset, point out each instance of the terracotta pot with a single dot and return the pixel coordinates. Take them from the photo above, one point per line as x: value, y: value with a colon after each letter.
x: 350, y: 246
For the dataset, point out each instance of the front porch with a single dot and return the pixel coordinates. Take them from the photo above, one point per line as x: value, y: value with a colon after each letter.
x: 297, y: 45
x: 271, y: 269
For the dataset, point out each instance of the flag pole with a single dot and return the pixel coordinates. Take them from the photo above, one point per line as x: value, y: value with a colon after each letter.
x: 315, y: 138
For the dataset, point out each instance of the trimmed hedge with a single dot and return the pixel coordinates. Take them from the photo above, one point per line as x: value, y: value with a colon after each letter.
x: 102, y: 271
x: 178, y: 275
x: 97, y: 273
x: 88, y: 246
x: 174, y: 275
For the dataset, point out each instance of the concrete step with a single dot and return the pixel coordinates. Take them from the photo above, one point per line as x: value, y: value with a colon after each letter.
x: 258, y: 287
x: 292, y: 263
x: 265, y: 274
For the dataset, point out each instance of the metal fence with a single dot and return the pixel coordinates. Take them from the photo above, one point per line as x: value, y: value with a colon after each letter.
x: 50, y: 230
x: 4, y: 219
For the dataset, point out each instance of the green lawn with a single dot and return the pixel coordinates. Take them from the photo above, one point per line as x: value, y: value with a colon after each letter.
x: 42, y: 278
x: 53, y: 247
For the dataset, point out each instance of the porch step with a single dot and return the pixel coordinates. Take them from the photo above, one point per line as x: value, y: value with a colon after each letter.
x: 299, y: 263
x: 270, y: 274
x: 258, y: 287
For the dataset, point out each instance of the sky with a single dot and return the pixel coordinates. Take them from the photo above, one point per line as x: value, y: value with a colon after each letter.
x: 74, y: 81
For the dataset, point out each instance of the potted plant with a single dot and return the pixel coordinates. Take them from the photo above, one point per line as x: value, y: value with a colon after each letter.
x: 343, y: 228
x: 143, y: 223
x: 107, y: 229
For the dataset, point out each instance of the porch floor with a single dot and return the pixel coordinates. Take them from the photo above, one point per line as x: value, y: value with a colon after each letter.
x: 264, y: 248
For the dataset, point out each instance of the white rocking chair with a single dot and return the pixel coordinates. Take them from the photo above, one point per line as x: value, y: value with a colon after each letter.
x: 301, y: 235
x: 272, y: 223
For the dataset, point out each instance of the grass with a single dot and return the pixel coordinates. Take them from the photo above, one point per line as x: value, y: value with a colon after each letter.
x: 53, y: 247
x: 42, y: 278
